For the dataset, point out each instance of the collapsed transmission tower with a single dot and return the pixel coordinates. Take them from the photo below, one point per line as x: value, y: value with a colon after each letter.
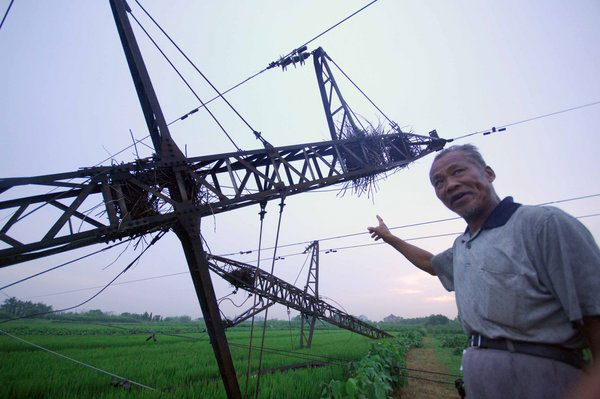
x: 274, y: 289
x: 172, y: 192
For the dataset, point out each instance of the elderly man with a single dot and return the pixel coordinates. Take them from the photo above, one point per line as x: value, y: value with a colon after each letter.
x: 527, y: 285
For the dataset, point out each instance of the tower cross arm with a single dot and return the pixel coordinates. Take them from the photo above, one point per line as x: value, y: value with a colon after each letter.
x: 107, y: 203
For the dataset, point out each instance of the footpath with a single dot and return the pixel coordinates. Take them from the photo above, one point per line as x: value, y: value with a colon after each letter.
x: 425, y: 358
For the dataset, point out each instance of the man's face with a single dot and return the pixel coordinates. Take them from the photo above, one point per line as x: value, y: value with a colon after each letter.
x: 463, y: 185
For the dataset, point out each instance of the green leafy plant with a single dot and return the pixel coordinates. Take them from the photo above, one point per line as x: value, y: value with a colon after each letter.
x: 377, y: 374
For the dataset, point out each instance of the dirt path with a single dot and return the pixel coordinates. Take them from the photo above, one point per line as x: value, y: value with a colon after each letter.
x: 425, y: 358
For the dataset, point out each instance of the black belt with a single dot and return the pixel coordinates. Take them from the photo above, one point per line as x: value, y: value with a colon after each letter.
x: 573, y: 357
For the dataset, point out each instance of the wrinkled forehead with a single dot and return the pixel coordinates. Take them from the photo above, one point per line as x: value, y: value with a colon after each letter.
x: 449, y: 160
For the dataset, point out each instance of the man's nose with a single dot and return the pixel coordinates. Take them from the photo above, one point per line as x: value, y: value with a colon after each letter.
x: 452, y: 184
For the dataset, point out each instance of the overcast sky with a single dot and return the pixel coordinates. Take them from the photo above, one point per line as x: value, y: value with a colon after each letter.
x: 68, y: 101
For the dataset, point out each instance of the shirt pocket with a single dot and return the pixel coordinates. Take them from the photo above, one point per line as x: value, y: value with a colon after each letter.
x: 503, y: 299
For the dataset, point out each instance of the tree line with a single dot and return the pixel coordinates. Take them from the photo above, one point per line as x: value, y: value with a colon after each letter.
x: 15, y: 308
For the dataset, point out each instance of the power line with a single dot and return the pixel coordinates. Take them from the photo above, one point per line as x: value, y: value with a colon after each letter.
x: 154, y: 240
x: 121, y: 283
x: 503, y: 127
x: 334, y: 26
x: 186, y: 82
x: 335, y: 249
x: 362, y: 92
x: 195, y: 67
x: 327, y: 250
x: 403, y: 227
x: 64, y: 264
x: 77, y: 361
x: 272, y: 64
x: 193, y: 111
x: 6, y: 13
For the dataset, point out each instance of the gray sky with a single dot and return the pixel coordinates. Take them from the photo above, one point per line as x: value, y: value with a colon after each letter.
x: 455, y: 66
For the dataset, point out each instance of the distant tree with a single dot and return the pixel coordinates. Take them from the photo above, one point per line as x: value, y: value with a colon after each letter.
x: 436, y: 320
x: 392, y: 319
x: 95, y: 312
x: 16, y: 308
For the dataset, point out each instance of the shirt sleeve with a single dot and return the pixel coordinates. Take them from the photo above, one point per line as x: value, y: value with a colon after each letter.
x: 571, y: 264
x: 443, y: 266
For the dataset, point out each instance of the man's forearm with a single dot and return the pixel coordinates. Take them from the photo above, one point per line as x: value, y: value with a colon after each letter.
x: 417, y: 256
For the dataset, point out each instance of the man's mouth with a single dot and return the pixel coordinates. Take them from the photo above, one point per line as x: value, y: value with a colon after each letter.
x: 457, y: 198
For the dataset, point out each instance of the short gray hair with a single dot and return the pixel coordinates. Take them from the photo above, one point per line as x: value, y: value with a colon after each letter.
x: 468, y: 149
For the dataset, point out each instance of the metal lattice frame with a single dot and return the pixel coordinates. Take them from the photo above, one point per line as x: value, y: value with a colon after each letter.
x: 311, y: 288
x: 149, y: 194
x: 331, y: 96
x: 274, y: 289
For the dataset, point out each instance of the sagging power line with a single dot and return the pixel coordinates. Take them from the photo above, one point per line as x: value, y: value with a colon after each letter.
x: 245, y: 252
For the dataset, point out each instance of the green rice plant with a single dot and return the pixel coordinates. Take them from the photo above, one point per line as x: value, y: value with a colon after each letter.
x: 182, y: 365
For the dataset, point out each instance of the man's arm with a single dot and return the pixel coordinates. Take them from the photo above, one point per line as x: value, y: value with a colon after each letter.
x: 417, y: 256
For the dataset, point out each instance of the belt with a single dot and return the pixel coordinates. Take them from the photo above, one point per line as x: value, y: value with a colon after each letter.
x: 573, y: 357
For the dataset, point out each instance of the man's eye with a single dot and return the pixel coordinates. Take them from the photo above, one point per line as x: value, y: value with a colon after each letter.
x: 438, y: 184
x: 457, y: 171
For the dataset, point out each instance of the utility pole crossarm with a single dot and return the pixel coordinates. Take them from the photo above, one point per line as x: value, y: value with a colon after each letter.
x: 102, y: 204
x: 274, y: 289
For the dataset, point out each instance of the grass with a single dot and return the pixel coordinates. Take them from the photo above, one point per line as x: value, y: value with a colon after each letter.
x: 450, y: 356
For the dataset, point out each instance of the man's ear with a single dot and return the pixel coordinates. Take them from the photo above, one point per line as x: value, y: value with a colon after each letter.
x: 490, y: 174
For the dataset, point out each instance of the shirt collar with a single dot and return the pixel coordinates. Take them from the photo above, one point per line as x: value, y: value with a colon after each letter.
x: 500, y: 215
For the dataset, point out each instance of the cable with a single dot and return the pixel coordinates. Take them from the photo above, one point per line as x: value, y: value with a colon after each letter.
x: 405, y: 226
x: 64, y: 264
x: 78, y: 361
x: 193, y: 111
x: 154, y: 240
x: 362, y: 92
x: 271, y: 65
x: 285, y: 255
x: 308, y: 254
x: 503, y: 127
x: 335, y: 249
x: 334, y: 26
x: 194, y: 66
x: 6, y: 13
x: 334, y: 301
x: 186, y: 82
x: 96, y: 287
x: 262, y: 214
x: 230, y: 300
x: 264, y: 328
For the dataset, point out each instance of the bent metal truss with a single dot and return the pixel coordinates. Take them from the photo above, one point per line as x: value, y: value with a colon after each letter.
x: 274, y: 289
x: 138, y: 197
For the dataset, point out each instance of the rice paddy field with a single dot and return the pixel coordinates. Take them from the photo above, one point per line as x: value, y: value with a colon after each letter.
x: 174, y: 360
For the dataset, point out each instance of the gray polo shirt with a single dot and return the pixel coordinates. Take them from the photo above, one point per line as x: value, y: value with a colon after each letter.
x: 530, y: 274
